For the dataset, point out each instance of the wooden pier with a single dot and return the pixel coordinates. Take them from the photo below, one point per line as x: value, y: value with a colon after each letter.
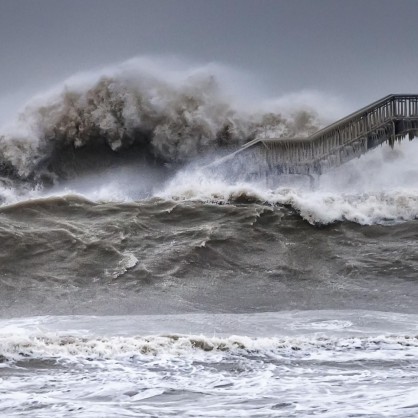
x: 390, y: 119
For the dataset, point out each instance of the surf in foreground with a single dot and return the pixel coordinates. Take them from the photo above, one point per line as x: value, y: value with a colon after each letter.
x: 329, y: 363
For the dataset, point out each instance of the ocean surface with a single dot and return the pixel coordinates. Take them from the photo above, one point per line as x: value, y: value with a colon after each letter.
x: 137, y: 282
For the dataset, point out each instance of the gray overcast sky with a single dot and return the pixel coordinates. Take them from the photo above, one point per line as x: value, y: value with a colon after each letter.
x: 358, y: 49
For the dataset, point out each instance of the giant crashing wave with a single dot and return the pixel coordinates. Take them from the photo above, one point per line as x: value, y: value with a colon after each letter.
x: 117, y: 118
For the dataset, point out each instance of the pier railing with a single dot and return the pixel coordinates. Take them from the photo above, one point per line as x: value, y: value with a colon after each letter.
x: 388, y: 119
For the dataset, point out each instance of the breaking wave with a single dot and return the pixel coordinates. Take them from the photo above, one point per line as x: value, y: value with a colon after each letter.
x: 378, y: 188
x: 136, y: 110
x: 317, y: 207
x: 67, y: 347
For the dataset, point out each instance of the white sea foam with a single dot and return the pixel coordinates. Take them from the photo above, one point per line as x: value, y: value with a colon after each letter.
x: 77, y: 348
x: 380, y: 187
x: 98, y: 367
x: 127, y: 262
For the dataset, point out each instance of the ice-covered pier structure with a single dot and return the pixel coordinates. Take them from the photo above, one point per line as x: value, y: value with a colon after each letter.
x: 387, y: 120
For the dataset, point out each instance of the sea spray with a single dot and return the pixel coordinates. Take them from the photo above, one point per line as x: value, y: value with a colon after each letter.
x: 167, y: 115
